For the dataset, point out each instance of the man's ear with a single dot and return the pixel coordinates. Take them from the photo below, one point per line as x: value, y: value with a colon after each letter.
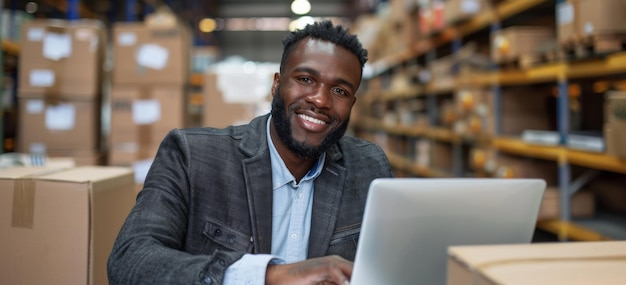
x: 275, y: 83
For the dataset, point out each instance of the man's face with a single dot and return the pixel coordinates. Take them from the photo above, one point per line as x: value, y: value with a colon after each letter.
x: 314, y: 95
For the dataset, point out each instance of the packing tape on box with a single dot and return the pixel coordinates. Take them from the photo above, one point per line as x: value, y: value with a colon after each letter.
x: 145, y: 131
x: 23, y: 204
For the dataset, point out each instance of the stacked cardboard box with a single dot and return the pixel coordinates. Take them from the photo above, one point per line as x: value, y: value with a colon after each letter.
x: 149, y: 92
x: 60, y: 89
x: 539, y: 263
x: 58, y: 225
x: 521, y: 44
x: 577, y: 19
x: 461, y: 10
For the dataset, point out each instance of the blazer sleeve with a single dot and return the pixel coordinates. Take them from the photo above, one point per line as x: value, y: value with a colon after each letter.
x: 149, y: 248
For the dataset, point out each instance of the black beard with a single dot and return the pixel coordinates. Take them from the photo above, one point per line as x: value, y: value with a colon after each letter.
x: 283, y: 130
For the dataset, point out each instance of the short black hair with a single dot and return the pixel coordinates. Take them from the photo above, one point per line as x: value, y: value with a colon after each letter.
x: 324, y: 30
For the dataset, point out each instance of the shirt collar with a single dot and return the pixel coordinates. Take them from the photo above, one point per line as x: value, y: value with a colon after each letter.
x: 280, y: 173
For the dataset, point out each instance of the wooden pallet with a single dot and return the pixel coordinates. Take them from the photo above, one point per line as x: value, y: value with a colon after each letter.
x: 593, y: 45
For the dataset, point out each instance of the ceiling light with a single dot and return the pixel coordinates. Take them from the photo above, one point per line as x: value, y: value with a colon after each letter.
x: 31, y: 7
x: 301, y: 7
x: 300, y: 23
x: 207, y: 25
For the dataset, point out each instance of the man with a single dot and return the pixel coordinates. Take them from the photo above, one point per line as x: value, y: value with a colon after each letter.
x: 277, y: 201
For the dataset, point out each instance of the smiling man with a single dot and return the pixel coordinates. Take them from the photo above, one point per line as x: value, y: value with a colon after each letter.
x: 277, y: 201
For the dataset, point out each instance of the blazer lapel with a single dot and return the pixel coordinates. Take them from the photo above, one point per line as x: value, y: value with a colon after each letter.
x: 258, y: 180
x: 326, y: 201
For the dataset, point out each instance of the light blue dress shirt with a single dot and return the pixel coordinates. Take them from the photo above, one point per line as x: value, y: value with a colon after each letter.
x: 291, y: 222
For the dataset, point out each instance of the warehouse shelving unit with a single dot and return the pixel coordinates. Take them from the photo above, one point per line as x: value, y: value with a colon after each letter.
x: 558, y: 73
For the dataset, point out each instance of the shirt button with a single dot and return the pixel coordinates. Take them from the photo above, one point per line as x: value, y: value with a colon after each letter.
x: 294, y: 236
x: 207, y: 280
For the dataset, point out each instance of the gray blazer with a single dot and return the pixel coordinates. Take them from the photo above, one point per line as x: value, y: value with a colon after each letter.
x: 207, y: 200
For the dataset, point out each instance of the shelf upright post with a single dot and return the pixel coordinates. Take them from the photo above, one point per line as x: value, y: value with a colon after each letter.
x: 431, y: 101
x: 130, y: 10
x: 496, y: 89
x: 564, y: 170
x: 457, y: 145
x: 73, y: 8
x: 1, y: 88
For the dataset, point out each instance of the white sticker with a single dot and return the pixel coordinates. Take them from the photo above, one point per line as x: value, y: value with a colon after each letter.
x: 34, y: 106
x: 41, y: 78
x: 589, y: 28
x: 57, y: 46
x: 152, y: 56
x: 470, y: 6
x: 61, y: 117
x: 35, y: 34
x: 141, y: 169
x: 146, y: 112
x: 126, y: 39
x: 564, y: 13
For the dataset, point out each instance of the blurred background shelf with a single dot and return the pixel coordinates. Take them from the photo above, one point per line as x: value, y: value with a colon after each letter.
x: 10, y: 47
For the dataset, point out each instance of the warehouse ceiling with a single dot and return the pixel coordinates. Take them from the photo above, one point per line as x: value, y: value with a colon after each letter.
x: 234, y: 38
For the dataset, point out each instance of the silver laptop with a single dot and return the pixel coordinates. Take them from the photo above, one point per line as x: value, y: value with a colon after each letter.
x: 409, y: 223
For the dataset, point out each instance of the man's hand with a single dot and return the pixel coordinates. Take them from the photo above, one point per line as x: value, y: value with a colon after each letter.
x: 321, y: 270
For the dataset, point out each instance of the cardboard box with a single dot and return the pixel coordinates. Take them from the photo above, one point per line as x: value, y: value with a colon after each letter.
x: 538, y: 263
x: 64, y: 125
x: 129, y: 153
x: 461, y: 10
x: 143, y: 115
x: 582, y: 204
x: 615, y: 123
x: 512, y: 43
x: 221, y: 111
x: 62, y: 58
x: 512, y: 166
x: 59, y: 228
x: 567, y: 20
x: 600, y: 17
x: 610, y: 193
x: 80, y: 157
x: 522, y: 109
x: 151, y: 55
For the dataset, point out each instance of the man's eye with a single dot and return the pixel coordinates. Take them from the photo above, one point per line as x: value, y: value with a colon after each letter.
x: 305, y: 79
x: 340, y: 91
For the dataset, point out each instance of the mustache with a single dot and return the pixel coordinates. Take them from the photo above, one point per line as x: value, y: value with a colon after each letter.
x: 303, y: 108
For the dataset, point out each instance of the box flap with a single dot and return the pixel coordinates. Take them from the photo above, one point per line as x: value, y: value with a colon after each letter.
x: 542, y: 263
x: 19, y: 172
x: 84, y: 174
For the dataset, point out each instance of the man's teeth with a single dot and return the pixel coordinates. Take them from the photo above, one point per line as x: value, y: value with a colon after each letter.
x: 312, y: 120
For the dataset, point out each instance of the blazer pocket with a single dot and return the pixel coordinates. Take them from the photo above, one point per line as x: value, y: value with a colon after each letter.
x: 346, y: 234
x: 344, y: 242
x: 227, y: 237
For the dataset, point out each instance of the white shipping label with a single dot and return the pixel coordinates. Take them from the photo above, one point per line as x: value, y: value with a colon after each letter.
x: 61, y: 117
x: 41, y: 78
x: 470, y: 6
x: 126, y: 39
x: 588, y: 28
x: 57, y: 46
x: 565, y: 13
x: 141, y: 170
x: 35, y: 106
x: 152, y: 56
x: 146, y: 112
x: 35, y: 34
